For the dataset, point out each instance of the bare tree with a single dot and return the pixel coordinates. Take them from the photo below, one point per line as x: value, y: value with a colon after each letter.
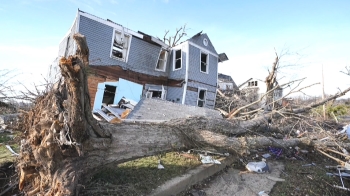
x: 174, y: 40
x: 6, y: 88
x: 347, y: 71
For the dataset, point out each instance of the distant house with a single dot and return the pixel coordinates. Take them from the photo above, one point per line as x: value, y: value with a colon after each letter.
x: 256, y: 88
x: 133, y: 64
x: 226, y: 83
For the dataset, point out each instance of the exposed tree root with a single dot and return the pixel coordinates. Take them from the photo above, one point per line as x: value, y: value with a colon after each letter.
x: 63, y: 142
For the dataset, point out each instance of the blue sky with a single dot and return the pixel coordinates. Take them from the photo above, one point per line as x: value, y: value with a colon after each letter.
x: 247, y: 31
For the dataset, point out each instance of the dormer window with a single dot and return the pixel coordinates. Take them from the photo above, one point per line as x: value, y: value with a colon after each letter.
x: 161, y: 65
x: 120, y: 45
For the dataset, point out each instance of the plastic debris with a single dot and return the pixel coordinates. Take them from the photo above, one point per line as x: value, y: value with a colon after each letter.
x: 258, y: 167
x: 267, y: 155
x: 308, y: 165
x: 262, y: 193
x: 343, y: 174
x: 276, y: 151
x: 160, y: 166
x: 208, y: 160
x: 10, y: 149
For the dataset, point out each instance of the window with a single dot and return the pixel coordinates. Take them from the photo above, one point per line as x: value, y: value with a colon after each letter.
x: 155, y: 93
x: 253, y: 83
x: 201, y: 97
x: 204, y: 62
x: 177, y: 60
x: 161, y: 65
x: 120, y: 45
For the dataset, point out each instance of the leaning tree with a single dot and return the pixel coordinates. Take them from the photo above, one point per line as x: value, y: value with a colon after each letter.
x: 62, y: 141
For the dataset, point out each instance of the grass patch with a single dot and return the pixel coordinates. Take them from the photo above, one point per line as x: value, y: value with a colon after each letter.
x: 6, y: 155
x: 309, y: 180
x: 4, y: 138
x: 336, y: 110
x: 141, y: 176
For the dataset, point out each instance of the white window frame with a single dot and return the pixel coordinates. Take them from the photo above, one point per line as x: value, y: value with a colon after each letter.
x: 205, y: 96
x: 207, y: 62
x: 150, y: 91
x: 125, y: 51
x: 174, y: 59
x: 164, y: 61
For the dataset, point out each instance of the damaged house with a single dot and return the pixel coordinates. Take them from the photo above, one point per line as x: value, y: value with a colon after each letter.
x: 255, y: 88
x: 133, y: 65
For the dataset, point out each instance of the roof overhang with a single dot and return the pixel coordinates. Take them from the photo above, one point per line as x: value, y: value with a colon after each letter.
x: 222, y: 57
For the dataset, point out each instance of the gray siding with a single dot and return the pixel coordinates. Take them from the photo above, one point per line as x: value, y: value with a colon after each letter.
x: 62, y: 47
x: 66, y: 47
x: 191, y: 96
x: 175, y: 93
x: 177, y: 74
x: 143, y: 56
x: 156, y: 109
x: 198, y: 40
x: 194, y: 72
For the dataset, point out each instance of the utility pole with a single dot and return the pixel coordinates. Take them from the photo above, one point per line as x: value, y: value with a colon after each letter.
x: 323, y: 96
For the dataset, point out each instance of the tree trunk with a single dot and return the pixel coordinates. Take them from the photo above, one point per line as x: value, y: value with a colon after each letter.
x: 63, y: 142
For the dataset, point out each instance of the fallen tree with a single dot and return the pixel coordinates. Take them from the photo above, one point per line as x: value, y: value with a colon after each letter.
x: 63, y: 142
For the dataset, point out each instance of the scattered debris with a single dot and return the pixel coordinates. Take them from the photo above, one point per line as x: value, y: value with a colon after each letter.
x: 12, y: 151
x: 196, y: 192
x: 276, y: 151
x: 208, y: 160
x: 207, y: 152
x: 262, y: 193
x: 258, y: 167
x: 160, y: 166
x: 267, y: 155
x: 276, y: 179
x: 307, y: 165
x: 341, y: 179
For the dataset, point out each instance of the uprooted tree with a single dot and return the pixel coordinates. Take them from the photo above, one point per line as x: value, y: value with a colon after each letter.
x: 63, y: 142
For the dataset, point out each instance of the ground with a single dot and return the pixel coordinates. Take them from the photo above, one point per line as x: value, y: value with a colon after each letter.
x: 299, y: 180
x: 140, y: 177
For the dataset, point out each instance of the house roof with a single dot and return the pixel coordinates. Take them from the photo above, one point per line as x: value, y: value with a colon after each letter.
x: 225, y: 77
x: 199, y: 38
x: 138, y: 34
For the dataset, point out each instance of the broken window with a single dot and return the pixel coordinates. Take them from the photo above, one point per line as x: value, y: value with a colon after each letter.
x: 161, y: 65
x: 201, y: 97
x: 120, y: 45
x: 177, y: 62
x: 154, y: 93
x: 108, y: 95
x: 204, y: 62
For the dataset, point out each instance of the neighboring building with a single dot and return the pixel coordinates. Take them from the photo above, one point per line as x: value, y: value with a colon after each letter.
x: 130, y: 64
x: 255, y: 88
x: 226, y: 83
